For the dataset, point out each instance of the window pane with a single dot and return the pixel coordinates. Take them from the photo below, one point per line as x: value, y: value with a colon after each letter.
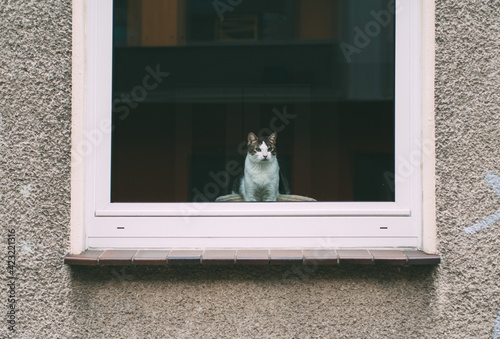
x: 192, y: 78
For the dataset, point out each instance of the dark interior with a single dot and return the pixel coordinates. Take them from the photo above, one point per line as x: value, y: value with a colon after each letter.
x: 335, y: 119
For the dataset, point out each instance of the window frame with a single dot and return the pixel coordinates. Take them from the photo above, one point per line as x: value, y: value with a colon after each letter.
x: 97, y: 223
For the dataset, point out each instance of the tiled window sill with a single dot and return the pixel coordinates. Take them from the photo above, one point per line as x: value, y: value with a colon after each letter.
x: 252, y: 257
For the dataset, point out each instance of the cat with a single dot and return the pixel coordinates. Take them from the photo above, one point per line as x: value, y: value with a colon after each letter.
x: 260, y: 180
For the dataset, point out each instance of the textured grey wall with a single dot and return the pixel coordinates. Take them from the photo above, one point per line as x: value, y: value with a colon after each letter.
x: 35, y: 109
x: 468, y: 147
x: 460, y: 299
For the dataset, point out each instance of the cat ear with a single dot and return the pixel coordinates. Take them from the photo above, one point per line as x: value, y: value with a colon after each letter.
x: 272, y: 138
x: 252, y: 138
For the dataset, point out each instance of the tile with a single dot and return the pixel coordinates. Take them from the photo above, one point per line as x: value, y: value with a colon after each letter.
x: 252, y: 257
x: 184, y: 257
x: 286, y: 257
x: 117, y: 257
x: 422, y: 258
x: 357, y: 257
x: 320, y: 257
x: 218, y: 257
x: 389, y: 257
x: 87, y: 258
x: 151, y: 257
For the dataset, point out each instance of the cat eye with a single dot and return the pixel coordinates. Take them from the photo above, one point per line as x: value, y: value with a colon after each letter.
x: 258, y: 149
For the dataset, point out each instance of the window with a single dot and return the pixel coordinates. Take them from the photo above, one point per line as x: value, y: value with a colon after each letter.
x: 174, y: 87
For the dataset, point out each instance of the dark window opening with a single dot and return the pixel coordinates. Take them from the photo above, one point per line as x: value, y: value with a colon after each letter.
x: 191, y: 80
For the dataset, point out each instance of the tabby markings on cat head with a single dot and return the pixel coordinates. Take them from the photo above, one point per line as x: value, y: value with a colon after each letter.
x: 262, y: 149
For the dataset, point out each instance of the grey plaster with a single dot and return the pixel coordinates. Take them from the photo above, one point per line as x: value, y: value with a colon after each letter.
x: 460, y: 299
x: 468, y: 147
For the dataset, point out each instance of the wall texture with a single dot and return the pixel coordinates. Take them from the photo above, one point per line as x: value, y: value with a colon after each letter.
x: 459, y: 299
x: 468, y: 147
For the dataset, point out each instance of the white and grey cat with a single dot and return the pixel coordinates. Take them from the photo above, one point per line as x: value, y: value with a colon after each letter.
x: 260, y: 180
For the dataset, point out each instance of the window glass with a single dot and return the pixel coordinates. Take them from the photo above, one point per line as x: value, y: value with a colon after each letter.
x: 192, y: 78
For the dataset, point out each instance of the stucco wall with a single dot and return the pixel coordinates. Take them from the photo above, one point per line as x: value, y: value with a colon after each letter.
x: 468, y: 147
x: 460, y: 299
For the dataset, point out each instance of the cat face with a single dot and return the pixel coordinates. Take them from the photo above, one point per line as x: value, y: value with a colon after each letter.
x: 262, y: 150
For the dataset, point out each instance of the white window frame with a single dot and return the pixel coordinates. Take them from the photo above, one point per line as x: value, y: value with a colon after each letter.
x: 409, y: 222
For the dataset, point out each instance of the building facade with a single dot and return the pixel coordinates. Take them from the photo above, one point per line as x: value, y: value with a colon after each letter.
x: 43, y: 297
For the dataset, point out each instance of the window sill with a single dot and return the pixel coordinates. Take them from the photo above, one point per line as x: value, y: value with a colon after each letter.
x: 251, y: 257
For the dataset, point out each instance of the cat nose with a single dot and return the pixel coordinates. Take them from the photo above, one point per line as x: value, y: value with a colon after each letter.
x: 265, y: 156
